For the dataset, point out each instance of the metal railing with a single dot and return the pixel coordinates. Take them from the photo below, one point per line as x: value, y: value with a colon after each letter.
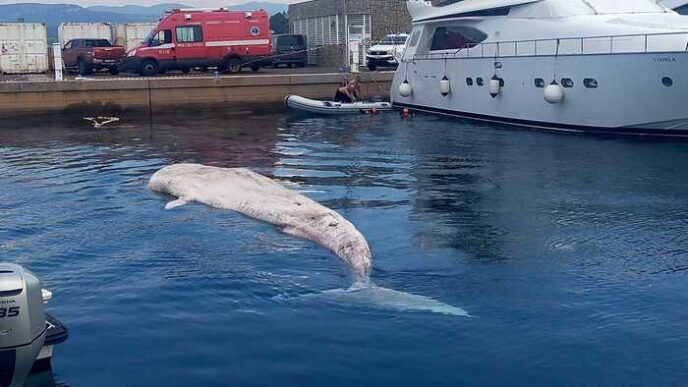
x: 589, y: 45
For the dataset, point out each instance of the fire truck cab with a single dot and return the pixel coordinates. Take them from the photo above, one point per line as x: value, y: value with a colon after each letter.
x: 189, y: 38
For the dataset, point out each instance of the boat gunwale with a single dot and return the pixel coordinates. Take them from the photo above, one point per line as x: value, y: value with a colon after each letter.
x: 548, y: 126
x: 447, y: 54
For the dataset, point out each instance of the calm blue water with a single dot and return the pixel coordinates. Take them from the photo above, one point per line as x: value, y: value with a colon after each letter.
x: 571, y: 252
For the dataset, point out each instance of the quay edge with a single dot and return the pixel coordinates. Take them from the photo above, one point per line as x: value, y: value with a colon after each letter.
x: 245, y: 92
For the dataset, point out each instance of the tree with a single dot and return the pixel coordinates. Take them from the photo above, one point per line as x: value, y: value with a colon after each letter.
x: 279, y: 23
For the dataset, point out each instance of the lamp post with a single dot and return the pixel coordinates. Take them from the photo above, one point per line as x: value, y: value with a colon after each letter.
x: 345, y: 60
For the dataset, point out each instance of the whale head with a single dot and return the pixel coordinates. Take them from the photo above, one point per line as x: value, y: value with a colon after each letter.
x: 332, y: 231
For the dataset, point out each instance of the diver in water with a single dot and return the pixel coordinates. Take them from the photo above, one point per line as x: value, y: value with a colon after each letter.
x: 406, y: 113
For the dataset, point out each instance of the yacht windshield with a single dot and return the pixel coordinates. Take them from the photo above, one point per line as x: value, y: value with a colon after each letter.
x: 456, y: 38
x: 624, y: 6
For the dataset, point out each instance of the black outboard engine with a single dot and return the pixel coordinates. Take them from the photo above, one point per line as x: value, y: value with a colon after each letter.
x: 23, y: 325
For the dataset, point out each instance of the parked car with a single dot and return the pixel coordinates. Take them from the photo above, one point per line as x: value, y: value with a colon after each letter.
x: 386, y: 52
x: 289, y: 50
x: 202, y: 38
x: 89, y: 55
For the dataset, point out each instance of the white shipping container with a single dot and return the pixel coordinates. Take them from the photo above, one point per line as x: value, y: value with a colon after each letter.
x: 69, y: 31
x: 130, y: 35
x: 23, y: 48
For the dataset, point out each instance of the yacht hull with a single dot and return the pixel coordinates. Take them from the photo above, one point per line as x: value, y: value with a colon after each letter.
x: 642, y: 93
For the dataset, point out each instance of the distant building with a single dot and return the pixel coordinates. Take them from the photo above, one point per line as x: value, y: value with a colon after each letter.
x: 325, y: 23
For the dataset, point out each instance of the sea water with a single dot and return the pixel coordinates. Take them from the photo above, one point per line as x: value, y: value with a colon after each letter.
x: 569, y: 252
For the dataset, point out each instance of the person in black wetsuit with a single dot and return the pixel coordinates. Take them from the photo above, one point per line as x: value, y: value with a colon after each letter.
x: 345, y: 94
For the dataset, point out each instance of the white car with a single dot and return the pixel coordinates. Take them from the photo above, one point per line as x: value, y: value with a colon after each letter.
x: 386, y: 52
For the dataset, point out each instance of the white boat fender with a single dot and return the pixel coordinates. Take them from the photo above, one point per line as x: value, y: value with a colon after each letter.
x: 554, y: 93
x: 405, y: 89
x: 495, y: 86
x: 445, y: 86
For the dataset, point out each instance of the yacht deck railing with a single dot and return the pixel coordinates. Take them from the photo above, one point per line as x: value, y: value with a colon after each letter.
x: 591, y: 45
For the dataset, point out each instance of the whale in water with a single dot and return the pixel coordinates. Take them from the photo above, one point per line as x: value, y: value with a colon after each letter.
x: 262, y: 198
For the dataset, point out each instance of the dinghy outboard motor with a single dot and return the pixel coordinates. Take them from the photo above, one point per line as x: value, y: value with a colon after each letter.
x: 24, y: 327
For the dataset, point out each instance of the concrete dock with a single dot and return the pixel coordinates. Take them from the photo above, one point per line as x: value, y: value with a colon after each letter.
x: 100, y: 95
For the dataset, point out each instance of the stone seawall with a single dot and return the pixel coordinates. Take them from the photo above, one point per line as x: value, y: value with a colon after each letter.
x: 146, y: 94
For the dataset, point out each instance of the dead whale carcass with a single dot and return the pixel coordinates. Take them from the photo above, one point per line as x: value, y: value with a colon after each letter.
x: 261, y: 198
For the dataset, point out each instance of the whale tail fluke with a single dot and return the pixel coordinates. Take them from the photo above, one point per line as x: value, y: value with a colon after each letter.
x: 367, y: 294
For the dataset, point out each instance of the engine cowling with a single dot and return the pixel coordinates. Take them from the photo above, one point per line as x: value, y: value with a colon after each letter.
x: 22, y: 323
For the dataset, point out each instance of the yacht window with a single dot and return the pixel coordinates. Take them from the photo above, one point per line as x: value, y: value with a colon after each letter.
x: 567, y: 82
x: 414, y: 39
x: 479, y: 81
x: 469, y: 81
x: 456, y: 38
x: 501, y: 11
x: 501, y: 81
x: 590, y: 83
x: 666, y: 81
x: 539, y: 83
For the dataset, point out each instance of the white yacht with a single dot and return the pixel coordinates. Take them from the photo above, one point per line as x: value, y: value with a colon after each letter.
x: 610, y: 66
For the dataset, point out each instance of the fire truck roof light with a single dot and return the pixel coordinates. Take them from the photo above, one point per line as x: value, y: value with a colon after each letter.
x: 200, y: 10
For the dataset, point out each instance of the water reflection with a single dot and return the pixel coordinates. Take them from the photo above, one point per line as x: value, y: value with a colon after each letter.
x: 210, y: 137
x: 343, y: 158
x: 44, y: 378
x: 498, y: 194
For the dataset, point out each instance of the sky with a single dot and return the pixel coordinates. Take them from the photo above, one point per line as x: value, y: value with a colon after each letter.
x: 193, y: 3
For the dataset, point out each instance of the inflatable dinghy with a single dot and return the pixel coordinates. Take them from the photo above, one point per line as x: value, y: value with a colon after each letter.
x: 302, y: 104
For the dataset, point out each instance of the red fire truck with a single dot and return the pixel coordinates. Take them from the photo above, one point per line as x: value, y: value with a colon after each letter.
x: 189, y: 38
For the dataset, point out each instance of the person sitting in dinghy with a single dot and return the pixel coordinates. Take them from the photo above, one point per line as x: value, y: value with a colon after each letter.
x: 357, y: 88
x: 345, y: 94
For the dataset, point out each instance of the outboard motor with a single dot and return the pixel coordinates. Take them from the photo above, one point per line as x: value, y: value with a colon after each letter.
x: 23, y: 324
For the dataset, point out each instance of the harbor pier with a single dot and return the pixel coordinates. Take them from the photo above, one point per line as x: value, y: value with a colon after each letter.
x: 247, y: 92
